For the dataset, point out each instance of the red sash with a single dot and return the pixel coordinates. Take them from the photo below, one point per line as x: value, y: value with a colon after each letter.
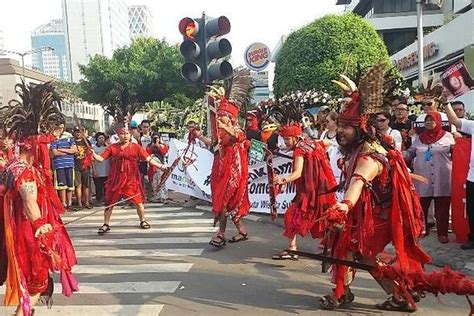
x: 461, y: 157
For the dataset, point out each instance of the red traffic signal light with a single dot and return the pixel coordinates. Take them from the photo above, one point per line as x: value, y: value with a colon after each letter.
x: 203, y: 50
x: 189, y: 28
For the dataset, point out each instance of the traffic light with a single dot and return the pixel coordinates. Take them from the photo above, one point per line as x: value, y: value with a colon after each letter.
x: 205, y: 53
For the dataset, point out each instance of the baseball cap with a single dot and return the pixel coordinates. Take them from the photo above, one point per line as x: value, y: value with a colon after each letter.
x: 133, y: 124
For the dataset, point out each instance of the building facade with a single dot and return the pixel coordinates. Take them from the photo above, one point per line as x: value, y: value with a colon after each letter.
x: 93, y: 27
x: 396, y: 20
x: 53, y: 63
x: 11, y: 73
x: 261, y: 91
x: 140, y: 21
x: 442, y: 50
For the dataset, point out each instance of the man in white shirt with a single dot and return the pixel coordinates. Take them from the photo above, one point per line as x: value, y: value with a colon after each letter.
x: 191, y: 125
x: 466, y: 126
x: 382, y: 126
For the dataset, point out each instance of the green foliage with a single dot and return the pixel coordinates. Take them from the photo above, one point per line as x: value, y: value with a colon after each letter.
x: 147, y: 70
x: 317, y: 53
x: 68, y: 91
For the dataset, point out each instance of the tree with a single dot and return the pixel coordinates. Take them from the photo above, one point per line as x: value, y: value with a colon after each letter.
x: 317, y: 53
x: 148, y: 70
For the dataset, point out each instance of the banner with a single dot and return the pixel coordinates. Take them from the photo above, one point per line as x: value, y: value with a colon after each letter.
x: 461, y: 158
x: 457, y: 80
x: 193, y: 173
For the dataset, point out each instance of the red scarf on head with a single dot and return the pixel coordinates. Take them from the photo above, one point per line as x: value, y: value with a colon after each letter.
x: 429, y: 137
x: 253, y: 126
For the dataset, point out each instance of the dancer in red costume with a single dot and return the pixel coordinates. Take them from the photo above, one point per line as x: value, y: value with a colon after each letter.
x: 313, y: 177
x: 229, y: 175
x: 34, y: 238
x: 124, y: 177
x: 380, y: 206
x: 6, y: 146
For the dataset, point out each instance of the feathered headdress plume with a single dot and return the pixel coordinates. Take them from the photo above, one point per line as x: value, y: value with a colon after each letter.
x: 429, y: 90
x: 365, y: 98
x: 234, y: 94
x: 38, y: 110
x: 289, y: 114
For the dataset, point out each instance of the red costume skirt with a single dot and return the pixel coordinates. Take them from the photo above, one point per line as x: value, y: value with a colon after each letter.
x: 229, y: 179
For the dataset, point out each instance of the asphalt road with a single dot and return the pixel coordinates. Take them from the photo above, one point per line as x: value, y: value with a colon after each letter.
x: 171, y: 270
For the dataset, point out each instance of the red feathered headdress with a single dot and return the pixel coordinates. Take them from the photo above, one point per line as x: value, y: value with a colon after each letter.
x: 291, y: 130
x: 363, y: 100
x: 228, y: 107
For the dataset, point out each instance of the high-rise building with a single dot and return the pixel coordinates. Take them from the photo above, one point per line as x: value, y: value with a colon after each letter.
x: 260, y: 92
x: 52, y: 62
x: 140, y: 21
x: 93, y: 27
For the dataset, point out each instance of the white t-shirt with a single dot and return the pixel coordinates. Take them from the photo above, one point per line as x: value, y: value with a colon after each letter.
x: 397, y: 138
x: 467, y: 127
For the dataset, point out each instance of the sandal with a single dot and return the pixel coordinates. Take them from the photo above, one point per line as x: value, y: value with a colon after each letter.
x: 240, y: 237
x: 103, y: 229
x: 218, y: 241
x: 145, y: 225
x: 330, y: 302
x: 285, y: 255
x: 391, y: 304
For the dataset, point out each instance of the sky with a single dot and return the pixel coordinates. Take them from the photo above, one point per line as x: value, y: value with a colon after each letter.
x: 251, y: 21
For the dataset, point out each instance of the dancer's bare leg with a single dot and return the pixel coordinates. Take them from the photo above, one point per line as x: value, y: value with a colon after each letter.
x: 107, y: 215
x: 140, y: 211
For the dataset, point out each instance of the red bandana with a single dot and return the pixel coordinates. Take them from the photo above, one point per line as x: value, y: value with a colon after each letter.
x: 293, y: 130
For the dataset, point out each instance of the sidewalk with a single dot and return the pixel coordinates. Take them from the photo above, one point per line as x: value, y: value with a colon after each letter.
x: 443, y: 254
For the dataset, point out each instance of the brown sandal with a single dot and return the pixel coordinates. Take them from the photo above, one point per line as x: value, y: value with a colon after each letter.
x: 285, y: 255
x: 330, y: 302
x: 218, y: 241
x: 393, y: 305
x: 238, y: 238
x: 103, y: 229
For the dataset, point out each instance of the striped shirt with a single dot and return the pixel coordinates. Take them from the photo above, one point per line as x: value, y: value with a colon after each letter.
x: 65, y: 161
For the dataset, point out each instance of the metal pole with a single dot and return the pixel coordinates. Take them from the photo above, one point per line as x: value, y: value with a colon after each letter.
x: 419, y: 15
x: 23, y: 67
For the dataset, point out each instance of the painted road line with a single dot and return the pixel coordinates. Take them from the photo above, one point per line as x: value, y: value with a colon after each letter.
x: 162, y: 222
x: 123, y: 232
x: 118, y: 217
x: 103, y: 310
x: 139, y: 241
x: 138, y: 253
x: 122, y: 287
x: 133, y: 268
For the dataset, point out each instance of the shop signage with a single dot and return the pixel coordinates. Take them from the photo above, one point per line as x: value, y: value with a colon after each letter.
x: 411, y: 59
x: 257, y: 56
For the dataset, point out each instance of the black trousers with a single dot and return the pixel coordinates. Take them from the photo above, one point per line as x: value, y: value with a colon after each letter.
x: 100, y: 188
x: 470, y: 207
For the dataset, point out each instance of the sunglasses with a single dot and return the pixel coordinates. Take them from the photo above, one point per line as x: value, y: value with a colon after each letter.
x: 427, y: 103
x: 381, y: 120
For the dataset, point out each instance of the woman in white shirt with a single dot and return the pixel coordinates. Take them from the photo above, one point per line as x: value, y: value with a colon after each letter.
x: 334, y: 152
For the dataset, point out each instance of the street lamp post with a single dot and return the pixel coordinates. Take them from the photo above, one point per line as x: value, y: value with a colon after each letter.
x: 22, y: 55
x: 421, y: 62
